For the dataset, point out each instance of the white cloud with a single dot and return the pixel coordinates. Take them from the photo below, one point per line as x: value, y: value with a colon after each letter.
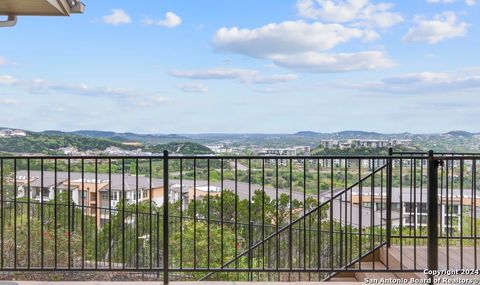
x: 243, y: 75
x: 41, y: 86
x: 341, y: 62
x: 441, y: 1
x: 118, y: 17
x: 302, y: 46
x: 160, y: 99
x: 171, y: 21
x: 45, y: 87
x: 7, y: 80
x: 152, y: 101
x: 287, y: 38
x: 8, y: 102
x: 193, y: 87
x: 423, y: 82
x: 357, y: 12
x: 442, y: 27
x: 467, y: 2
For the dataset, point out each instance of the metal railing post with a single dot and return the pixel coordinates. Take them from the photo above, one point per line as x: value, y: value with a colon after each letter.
x: 250, y: 244
x: 389, y: 197
x: 165, y: 217
x: 432, y: 246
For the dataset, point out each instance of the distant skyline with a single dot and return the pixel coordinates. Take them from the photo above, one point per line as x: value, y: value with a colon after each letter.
x: 270, y: 66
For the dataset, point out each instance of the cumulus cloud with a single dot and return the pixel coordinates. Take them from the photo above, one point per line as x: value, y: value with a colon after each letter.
x: 287, y: 38
x: 171, y: 20
x: 117, y: 17
x: 193, y: 87
x: 423, y: 82
x: 356, y: 12
x: 243, y: 75
x: 442, y: 27
x: 340, y: 62
x: 302, y: 46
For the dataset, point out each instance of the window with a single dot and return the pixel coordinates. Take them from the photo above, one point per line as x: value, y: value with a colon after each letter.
x: 379, y: 206
x: 409, y: 207
x: 367, y: 204
x: 422, y: 219
x: 145, y: 193
x: 114, y: 196
x: 422, y: 207
x: 452, y: 209
x: 408, y: 220
x: 104, y: 195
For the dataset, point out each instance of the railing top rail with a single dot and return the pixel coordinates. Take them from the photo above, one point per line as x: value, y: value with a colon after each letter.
x: 230, y: 157
x: 437, y: 153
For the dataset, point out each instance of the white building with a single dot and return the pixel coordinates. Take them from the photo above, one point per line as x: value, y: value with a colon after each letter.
x: 363, y: 143
x: 12, y: 133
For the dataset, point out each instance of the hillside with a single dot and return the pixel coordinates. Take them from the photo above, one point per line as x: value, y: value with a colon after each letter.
x: 183, y: 148
x: 43, y: 143
x: 50, y: 142
x: 125, y: 137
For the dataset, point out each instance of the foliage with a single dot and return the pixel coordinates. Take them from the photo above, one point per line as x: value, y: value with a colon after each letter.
x: 51, y: 142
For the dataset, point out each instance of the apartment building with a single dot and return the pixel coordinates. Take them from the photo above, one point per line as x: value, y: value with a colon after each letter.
x: 90, y: 190
x: 291, y: 151
x: 220, y: 148
x: 94, y: 191
x: 363, y: 143
x: 410, y: 208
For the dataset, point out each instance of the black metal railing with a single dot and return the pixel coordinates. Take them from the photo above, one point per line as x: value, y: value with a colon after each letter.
x: 265, y: 218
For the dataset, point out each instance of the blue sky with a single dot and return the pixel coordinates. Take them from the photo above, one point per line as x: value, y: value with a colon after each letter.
x: 245, y: 66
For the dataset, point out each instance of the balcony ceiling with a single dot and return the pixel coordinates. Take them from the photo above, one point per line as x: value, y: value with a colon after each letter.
x: 35, y: 7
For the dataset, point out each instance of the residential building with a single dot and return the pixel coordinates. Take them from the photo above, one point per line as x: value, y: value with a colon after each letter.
x: 12, y: 133
x: 90, y: 190
x: 414, y: 212
x: 363, y: 143
x: 291, y: 151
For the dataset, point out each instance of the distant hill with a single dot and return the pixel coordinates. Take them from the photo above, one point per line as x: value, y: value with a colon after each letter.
x: 125, y: 137
x: 358, y: 134
x: 344, y: 134
x: 49, y: 142
x: 461, y: 134
x: 307, y: 134
x: 183, y: 148
x: 145, y: 138
x: 457, y: 140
